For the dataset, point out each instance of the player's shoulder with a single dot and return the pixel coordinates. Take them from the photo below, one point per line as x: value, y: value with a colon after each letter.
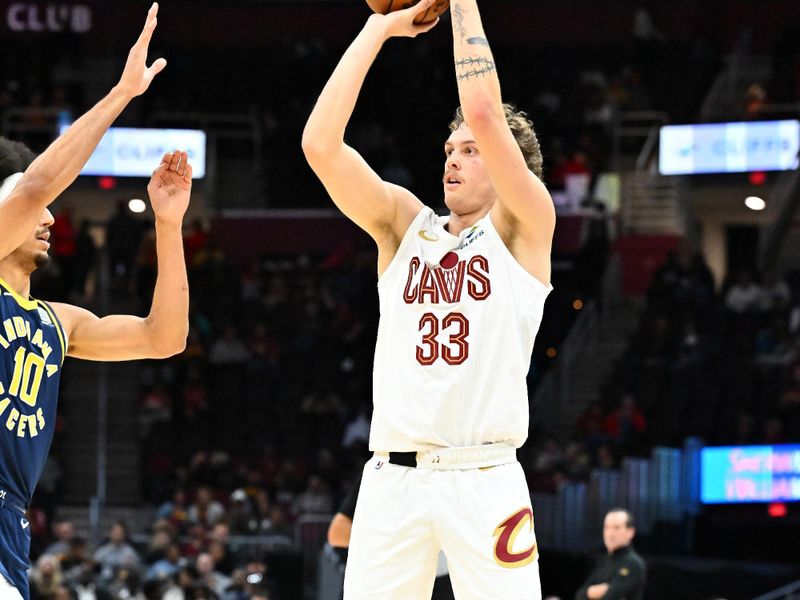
x: 69, y: 315
x: 406, y: 208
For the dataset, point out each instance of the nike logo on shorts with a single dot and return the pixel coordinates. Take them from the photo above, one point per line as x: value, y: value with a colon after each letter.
x: 24, y: 523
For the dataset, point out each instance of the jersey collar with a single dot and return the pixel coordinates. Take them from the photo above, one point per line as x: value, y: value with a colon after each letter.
x: 29, y: 304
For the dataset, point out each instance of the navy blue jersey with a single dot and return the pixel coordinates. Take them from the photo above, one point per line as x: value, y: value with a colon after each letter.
x: 32, y: 350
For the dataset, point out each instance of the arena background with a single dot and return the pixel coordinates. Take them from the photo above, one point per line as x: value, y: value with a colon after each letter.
x: 674, y: 323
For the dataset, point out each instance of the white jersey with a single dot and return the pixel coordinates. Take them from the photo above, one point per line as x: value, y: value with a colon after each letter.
x: 459, y: 316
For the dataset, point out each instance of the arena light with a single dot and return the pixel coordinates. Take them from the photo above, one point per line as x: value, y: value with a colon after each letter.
x: 136, y: 205
x: 755, y: 203
x: 777, y: 510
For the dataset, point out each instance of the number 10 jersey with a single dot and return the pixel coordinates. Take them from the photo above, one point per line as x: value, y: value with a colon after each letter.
x: 32, y: 350
x: 459, y: 316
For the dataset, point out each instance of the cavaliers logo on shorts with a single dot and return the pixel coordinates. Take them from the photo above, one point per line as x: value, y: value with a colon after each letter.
x: 506, y: 534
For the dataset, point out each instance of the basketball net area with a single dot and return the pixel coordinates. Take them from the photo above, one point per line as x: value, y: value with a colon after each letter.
x: 450, y: 278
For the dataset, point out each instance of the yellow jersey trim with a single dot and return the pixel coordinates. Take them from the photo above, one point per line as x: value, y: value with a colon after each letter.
x: 26, y: 304
x: 57, y: 325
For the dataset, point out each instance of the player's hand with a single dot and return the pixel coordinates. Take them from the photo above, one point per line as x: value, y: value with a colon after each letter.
x: 400, y: 23
x: 170, y: 187
x: 136, y: 76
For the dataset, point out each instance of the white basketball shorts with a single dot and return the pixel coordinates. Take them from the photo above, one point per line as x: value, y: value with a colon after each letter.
x: 481, y: 518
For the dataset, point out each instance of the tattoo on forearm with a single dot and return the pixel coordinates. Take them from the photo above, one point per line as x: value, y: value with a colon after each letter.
x: 478, y: 41
x: 473, y: 66
x: 458, y: 14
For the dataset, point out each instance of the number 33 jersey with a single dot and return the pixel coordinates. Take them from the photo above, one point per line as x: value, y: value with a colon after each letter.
x: 32, y: 349
x: 459, y: 316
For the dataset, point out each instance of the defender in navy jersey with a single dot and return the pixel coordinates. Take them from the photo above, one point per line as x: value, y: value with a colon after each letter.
x: 35, y: 336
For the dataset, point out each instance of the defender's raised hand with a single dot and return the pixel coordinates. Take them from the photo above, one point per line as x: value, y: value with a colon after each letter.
x: 136, y: 76
x: 170, y: 187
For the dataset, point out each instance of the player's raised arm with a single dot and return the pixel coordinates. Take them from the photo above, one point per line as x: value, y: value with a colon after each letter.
x: 371, y: 203
x: 523, y: 200
x: 163, y: 332
x: 60, y: 164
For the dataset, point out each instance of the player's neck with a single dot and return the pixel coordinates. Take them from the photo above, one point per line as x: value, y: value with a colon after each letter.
x: 17, y: 278
x: 459, y: 223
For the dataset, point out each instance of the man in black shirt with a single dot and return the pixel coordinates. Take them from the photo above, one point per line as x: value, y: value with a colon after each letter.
x: 621, y: 574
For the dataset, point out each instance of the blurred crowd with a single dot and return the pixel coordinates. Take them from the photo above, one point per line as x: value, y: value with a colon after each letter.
x: 721, y: 364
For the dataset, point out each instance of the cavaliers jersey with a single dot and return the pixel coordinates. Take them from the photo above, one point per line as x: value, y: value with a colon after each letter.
x: 458, y: 320
x: 32, y: 350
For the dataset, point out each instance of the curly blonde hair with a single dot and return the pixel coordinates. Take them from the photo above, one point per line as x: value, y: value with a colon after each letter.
x: 522, y: 128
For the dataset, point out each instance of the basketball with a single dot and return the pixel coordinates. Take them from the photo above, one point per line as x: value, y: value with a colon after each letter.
x: 449, y: 260
x: 386, y: 6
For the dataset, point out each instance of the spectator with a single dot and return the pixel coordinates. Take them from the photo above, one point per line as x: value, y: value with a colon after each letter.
x: 75, y: 562
x: 263, y: 512
x: 45, y: 578
x: 279, y: 524
x: 123, y: 234
x: 228, y: 349
x: 195, y: 241
x: 166, y: 567
x: 157, y: 547
x: 85, y: 252
x: 224, y: 560
x: 116, y: 554
x: 205, y: 510
x: 64, y: 532
x: 744, y: 295
x: 65, y: 250
x: 240, y: 512
x: 175, y: 511
x: 626, y: 425
x: 180, y: 587
x: 316, y: 499
x: 209, y: 576
x: 357, y: 430
x: 755, y: 101
x: 775, y: 293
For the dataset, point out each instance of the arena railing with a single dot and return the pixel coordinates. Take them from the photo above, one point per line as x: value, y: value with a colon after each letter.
x: 311, y: 532
x: 330, y: 582
x: 661, y: 488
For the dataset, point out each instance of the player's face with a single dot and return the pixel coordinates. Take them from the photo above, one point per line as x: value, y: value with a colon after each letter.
x: 616, y: 532
x: 467, y: 187
x: 33, y: 253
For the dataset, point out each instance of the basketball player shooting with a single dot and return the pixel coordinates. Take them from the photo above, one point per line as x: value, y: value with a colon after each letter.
x: 461, y: 301
x: 35, y: 336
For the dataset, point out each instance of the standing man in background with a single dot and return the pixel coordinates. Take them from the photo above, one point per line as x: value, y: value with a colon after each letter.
x: 621, y: 574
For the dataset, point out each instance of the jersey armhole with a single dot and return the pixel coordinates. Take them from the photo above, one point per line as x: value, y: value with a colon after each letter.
x: 425, y: 210
x: 62, y: 334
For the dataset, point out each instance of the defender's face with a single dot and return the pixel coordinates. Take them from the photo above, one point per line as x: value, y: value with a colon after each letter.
x: 616, y: 533
x: 467, y: 186
x: 32, y: 253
